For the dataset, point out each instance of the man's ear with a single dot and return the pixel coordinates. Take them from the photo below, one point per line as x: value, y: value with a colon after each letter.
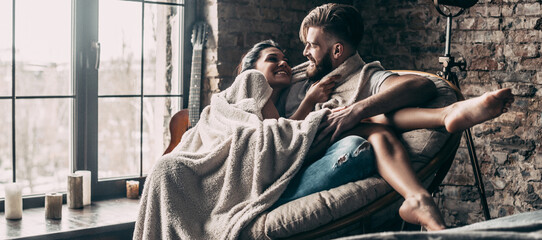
x: 337, y: 50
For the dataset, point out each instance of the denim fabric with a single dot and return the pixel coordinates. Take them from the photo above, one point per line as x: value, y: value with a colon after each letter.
x: 349, y: 159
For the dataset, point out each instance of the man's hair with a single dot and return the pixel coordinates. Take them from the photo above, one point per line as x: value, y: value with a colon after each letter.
x: 249, y: 59
x: 339, y: 20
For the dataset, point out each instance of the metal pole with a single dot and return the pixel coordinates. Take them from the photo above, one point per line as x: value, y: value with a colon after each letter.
x: 477, y: 173
x: 449, y: 62
x: 448, y: 35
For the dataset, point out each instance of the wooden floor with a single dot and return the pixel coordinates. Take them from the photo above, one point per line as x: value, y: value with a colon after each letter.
x: 108, y: 219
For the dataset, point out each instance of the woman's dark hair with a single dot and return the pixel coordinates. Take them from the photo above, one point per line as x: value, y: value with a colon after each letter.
x: 249, y: 59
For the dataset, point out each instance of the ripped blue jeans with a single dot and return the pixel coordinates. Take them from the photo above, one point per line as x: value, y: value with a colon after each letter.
x: 349, y: 159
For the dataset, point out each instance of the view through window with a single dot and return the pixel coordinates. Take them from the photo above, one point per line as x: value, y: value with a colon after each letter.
x: 138, y: 89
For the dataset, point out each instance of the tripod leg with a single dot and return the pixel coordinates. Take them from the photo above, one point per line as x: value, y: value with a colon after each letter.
x: 477, y: 173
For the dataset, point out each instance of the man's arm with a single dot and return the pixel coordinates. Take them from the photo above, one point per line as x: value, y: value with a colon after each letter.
x: 395, y: 92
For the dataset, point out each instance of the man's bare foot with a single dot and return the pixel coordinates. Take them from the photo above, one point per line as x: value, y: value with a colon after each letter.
x: 465, y: 114
x: 421, y: 210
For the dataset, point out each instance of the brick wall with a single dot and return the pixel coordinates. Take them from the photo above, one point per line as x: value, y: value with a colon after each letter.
x: 500, y: 41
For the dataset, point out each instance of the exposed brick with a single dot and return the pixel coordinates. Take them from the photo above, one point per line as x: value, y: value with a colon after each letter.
x: 233, y: 40
x: 485, y: 63
x: 529, y: 50
x: 535, y: 104
x: 274, y: 14
x: 499, y: 183
x: 500, y: 157
x: 538, y: 159
x: 472, y: 90
x: 268, y: 27
x: 482, y: 50
x: 238, y: 11
x: 538, y: 78
x: 274, y: 4
x: 518, y: 76
x: 530, y: 64
x: 467, y: 23
x: 486, y: 37
x: 417, y: 20
x: 479, y: 23
x: 534, y: 120
x: 538, y: 24
x: 519, y: 22
x: 493, y: 10
x: 507, y: 10
x: 528, y: 9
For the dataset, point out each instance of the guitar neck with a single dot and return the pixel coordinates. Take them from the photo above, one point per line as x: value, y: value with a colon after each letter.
x: 195, y: 87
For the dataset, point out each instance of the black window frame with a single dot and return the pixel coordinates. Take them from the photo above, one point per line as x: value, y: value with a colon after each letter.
x: 85, y: 84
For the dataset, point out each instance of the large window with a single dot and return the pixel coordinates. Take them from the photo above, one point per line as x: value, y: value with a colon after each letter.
x: 87, y: 84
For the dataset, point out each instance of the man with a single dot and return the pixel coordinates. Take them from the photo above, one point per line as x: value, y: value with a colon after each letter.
x: 332, y: 33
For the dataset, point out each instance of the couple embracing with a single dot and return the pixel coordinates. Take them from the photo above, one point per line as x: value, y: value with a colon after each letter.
x: 279, y: 134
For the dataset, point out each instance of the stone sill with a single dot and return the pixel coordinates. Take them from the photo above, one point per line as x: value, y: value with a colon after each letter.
x: 107, y: 219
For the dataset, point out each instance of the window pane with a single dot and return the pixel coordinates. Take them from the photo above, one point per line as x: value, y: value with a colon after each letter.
x: 43, y: 40
x: 43, y: 143
x: 120, y: 40
x: 161, y: 75
x: 5, y: 48
x: 169, y: 1
x: 6, y: 156
x: 156, y: 136
x: 118, y: 137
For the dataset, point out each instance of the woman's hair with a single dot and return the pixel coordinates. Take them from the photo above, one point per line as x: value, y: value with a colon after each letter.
x: 341, y: 21
x: 249, y: 59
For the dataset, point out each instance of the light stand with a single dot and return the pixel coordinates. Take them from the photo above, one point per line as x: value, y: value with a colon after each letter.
x: 448, y: 63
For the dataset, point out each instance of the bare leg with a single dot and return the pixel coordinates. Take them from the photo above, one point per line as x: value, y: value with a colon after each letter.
x: 394, y: 166
x: 455, y: 117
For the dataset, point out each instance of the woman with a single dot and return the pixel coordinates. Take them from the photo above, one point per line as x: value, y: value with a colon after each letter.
x: 323, y: 174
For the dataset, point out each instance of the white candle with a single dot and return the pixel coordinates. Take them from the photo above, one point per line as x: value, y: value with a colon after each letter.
x: 13, y: 204
x: 86, y: 185
x: 132, y: 189
x: 53, y: 206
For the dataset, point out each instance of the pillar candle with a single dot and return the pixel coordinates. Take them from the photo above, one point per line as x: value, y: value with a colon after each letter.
x: 86, y: 185
x: 75, y: 191
x: 132, y: 189
x: 13, y: 203
x: 53, y: 205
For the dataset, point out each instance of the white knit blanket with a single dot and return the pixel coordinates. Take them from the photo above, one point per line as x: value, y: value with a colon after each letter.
x: 227, y: 169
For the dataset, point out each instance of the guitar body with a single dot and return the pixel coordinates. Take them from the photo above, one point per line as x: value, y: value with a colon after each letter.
x: 178, y: 125
x: 184, y: 119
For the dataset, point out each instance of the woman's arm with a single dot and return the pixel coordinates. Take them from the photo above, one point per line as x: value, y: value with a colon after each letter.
x: 318, y: 92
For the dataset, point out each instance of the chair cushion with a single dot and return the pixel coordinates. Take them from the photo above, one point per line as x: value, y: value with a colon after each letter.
x: 313, y: 211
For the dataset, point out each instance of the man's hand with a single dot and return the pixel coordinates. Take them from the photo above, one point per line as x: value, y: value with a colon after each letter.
x: 320, y: 90
x: 338, y: 121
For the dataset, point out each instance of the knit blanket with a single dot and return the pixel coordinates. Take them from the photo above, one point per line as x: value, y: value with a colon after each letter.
x: 231, y: 166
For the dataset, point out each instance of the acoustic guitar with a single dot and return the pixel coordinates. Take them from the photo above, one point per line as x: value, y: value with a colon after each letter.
x: 185, y: 118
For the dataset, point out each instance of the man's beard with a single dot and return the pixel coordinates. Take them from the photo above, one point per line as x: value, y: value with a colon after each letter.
x: 320, y: 70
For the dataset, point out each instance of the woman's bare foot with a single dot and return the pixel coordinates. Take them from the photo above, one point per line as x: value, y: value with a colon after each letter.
x: 421, y: 210
x: 465, y: 114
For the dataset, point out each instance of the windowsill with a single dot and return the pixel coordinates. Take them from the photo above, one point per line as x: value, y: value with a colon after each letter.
x: 115, y: 216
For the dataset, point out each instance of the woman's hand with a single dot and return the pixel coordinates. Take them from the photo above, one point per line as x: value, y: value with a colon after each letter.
x: 320, y: 91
